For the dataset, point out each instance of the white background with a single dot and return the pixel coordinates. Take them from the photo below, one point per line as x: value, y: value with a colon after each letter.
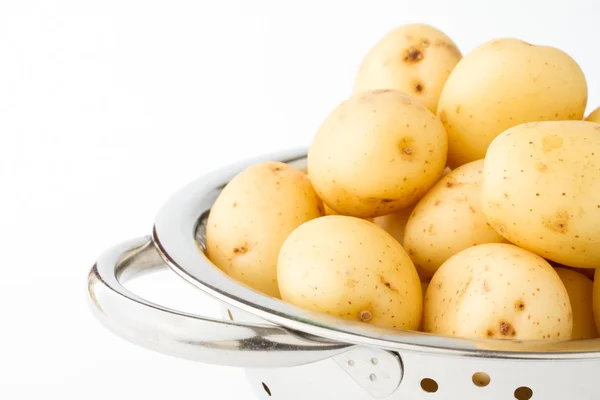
x: 108, y: 107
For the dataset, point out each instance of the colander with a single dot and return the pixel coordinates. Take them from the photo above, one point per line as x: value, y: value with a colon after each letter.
x: 294, y: 354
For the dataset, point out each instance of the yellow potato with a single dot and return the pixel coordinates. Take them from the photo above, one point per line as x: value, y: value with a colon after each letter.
x: 424, y: 286
x: 504, y: 83
x: 589, y: 272
x: 497, y: 290
x: 579, y: 288
x: 596, y: 303
x: 376, y: 153
x: 541, y: 190
x: 449, y: 219
x: 394, y: 223
x: 415, y: 59
x: 594, y: 116
x: 329, y: 210
x: 350, y: 268
x: 252, y: 217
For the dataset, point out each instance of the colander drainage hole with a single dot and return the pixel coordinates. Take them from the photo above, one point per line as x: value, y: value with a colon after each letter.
x: 267, y: 389
x: 481, y: 379
x: 523, y: 393
x: 429, y: 385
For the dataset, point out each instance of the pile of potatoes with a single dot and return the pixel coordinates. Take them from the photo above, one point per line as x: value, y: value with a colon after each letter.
x: 454, y: 195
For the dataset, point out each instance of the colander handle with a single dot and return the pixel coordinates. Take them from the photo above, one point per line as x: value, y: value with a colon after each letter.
x: 186, y: 335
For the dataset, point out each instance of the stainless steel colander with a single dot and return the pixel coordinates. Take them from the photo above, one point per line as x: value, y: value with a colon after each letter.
x: 294, y: 354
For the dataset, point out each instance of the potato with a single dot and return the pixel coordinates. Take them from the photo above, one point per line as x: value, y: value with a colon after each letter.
x: 446, y: 171
x: 328, y: 210
x: 504, y: 83
x: 541, y: 190
x: 424, y: 286
x: 579, y: 288
x: 415, y: 59
x: 449, y: 219
x: 394, y: 223
x: 350, y: 268
x: 376, y: 153
x: 596, y: 302
x: 252, y: 217
x: 497, y: 290
x: 594, y: 116
x: 588, y: 272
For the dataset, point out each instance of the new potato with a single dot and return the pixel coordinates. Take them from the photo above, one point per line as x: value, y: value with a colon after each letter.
x: 497, y: 290
x: 580, y: 289
x: 594, y: 116
x: 504, y: 83
x: 376, y: 153
x: 415, y: 59
x: 252, y: 217
x: 449, y: 219
x: 395, y: 223
x: 350, y: 268
x: 596, y: 303
x: 541, y: 190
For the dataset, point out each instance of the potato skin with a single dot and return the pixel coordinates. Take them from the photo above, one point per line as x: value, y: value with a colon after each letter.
x: 596, y: 302
x: 541, y: 190
x: 252, y: 217
x: 394, y: 223
x: 580, y: 289
x: 415, y: 59
x: 497, y: 290
x: 504, y: 83
x: 376, y: 153
x: 448, y: 219
x: 350, y: 268
x: 594, y: 116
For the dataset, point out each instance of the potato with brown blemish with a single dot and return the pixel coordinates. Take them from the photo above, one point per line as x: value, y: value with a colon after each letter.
x: 580, y: 289
x: 594, y: 116
x: 541, y: 190
x: 251, y: 218
x: 376, y: 153
x: 504, y: 83
x: 350, y: 268
x: 415, y: 59
x: 498, y: 290
x: 449, y: 219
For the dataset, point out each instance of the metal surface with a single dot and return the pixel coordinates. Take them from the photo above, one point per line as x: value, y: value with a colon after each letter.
x: 547, y: 380
x: 378, y: 372
x: 178, y: 236
x: 184, y: 335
